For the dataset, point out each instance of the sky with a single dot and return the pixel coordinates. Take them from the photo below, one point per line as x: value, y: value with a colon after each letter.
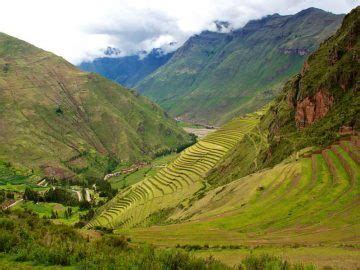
x: 80, y: 30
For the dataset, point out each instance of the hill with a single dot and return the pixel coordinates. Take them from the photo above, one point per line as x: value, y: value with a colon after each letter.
x: 127, y: 70
x: 289, y: 209
x: 62, y: 123
x: 286, y: 177
x: 312, y: 109
x: 176, y: 184
x: 210, y: 79
x: 302, y: 202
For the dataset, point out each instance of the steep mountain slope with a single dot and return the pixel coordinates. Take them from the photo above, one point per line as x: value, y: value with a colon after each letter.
x: 62, y: 122
x: 305, y: 202
x: 127, y: 70
x: 178, y: 182
x: 306, y: 182
x: 216, y: 76
x: 313, y: 108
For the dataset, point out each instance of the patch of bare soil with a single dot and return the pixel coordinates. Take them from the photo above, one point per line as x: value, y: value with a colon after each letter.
x: 200, y: 132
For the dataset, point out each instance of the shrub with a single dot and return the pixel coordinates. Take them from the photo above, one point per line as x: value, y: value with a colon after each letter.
x: 59, y: 111
x: 7, y: 224
x: 7, y: 240
x: 115, y: 241
x: 266, y: 261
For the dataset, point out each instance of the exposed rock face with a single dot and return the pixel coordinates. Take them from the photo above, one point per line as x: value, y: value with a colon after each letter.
x: 313, y: 108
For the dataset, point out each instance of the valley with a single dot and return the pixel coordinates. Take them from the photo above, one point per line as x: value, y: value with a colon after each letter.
x: 250, y: 161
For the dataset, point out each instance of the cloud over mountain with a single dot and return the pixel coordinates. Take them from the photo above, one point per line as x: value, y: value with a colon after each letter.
x: 81, y: 30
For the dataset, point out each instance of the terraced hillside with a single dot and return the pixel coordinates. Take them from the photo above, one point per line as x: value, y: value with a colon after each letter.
x: 306, y: 202
x: 180, y: 180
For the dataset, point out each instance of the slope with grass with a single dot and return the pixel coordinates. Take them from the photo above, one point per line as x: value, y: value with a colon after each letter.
x: 127, y: 70
x: 177, y: 182
x: 294, y: 179
x: 310, y: 111
x: 211, y: 78
x: 306, y: 202
x: 63, y: 123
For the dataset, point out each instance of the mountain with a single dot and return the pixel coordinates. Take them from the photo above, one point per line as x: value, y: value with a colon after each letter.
x: 62, y: 122
x: 215, y: 76
x: 127, y: 70
x: 314, y: 107
x: 285, y: 176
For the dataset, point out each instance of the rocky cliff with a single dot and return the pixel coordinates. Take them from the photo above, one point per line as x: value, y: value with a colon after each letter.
x: 314, y: 108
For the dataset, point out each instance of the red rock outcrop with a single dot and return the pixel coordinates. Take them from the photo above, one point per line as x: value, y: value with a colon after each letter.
x: 313, y: 108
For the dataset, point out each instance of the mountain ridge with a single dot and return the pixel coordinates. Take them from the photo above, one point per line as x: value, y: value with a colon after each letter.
x: 80, y: 122
x: 209, y: 79
x: 127, y: 70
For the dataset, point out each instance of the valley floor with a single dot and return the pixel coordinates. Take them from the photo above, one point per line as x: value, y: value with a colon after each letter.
x: 199, y: 132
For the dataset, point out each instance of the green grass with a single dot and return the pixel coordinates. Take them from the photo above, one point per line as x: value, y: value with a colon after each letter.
x: 9, y: 262
x: 214, y: 77
x: 44, y: 209
x: 319, y: 257
x: 178, y: 182
x: 63, y: 123
x: 300, y: 203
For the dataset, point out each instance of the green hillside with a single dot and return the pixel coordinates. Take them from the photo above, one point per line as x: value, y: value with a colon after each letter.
x: 174, y: 185
x: 305, y: 209
x: 302, y: 202
x: 313, y: 108
x: 63, y: 123
x: 211, y: 78
x: 285, y: 178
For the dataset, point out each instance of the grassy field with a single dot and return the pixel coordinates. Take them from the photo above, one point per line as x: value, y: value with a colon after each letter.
x: 177, y: 183
x: 44, y: 209
x: 320, y: 257
x: 309, y: 204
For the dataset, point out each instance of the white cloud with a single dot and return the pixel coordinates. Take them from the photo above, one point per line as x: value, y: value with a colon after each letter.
x: 79, y: 29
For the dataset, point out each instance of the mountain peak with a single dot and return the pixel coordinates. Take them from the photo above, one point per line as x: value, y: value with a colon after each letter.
x: 111, y: 51
x: 222, y: 26
x: 310, y: 10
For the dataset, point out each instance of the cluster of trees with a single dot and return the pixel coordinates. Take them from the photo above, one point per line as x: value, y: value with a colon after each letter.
x: 58, y: 195
x: 178, y: 149
x: 67, y: 213
x: 103, y: 187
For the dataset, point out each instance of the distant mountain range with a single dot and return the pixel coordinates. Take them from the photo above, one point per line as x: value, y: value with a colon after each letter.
x: 127, y: 70
x: 215, y: 76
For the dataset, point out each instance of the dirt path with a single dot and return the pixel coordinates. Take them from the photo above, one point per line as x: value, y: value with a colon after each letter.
x: 13, y: 204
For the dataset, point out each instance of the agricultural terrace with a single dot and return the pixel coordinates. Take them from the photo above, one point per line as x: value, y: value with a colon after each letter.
x: 310, y: 202
x: 178, y: 181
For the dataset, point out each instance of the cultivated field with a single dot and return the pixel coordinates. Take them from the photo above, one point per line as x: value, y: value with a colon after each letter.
x: 310, y: 202
x: 175, y: 183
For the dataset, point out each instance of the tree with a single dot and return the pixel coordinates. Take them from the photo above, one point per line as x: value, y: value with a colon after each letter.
x: 31, y: 195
